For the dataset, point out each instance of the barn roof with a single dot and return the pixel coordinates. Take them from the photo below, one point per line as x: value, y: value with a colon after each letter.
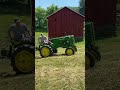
x: 68, y: 9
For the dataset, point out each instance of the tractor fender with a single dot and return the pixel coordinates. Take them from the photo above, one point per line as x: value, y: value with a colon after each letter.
x: 24, y: 45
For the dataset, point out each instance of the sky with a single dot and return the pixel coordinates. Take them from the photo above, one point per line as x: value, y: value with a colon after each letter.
x: 60, y: 3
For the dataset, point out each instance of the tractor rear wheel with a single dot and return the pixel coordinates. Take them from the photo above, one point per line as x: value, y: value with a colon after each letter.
x: 89, y: 60
x: 23, y: 60
x: 45, y: 51
x: 69, y: 51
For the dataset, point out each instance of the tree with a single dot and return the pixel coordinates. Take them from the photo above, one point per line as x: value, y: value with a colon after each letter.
x: 82, y: 7
x: 40, y: 17
x: 118, y: 1
x: 76, y: 9
x: 51, y: 9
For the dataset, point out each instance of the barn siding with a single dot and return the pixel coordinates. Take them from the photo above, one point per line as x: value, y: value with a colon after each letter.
x: 103, y: 14
x: 101, y: 11
x: 66, y: 21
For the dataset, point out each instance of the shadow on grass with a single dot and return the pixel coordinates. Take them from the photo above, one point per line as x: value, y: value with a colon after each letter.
x: 8, y: 74
x: 11, y: 74
x: 54, y: 55
x: 59, y: 54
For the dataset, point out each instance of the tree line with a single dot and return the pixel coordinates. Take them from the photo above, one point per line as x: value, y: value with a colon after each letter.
x: 15, y: 6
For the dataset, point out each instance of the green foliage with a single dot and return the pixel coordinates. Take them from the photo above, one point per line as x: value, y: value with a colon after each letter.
x: 21, y: 7
x: 76, y: 9
x: 118, y: 1
x: 41, y: 16
x: 82, y: 7
x: 118, y: 6
x: 51, y: 9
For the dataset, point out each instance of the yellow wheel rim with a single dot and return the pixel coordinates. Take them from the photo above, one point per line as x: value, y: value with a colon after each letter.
x: 87, y: 62
x: 69, y: 52
x: 24, y: 61
x: 45, y: 51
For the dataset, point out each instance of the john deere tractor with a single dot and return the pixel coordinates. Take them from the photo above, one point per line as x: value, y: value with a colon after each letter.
x: 21, y: 54
x: 67, y: 42
x: 92, y: 53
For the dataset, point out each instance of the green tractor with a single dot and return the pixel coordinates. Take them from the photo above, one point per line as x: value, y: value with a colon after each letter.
x: 21, y: 54
x: 67, y: 42
x: 92, y: 53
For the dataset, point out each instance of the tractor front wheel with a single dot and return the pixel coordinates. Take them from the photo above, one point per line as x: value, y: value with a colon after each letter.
x: 69, y: 51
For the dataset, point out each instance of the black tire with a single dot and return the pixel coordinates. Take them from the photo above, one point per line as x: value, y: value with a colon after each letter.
x: 55, y: 50
x: 91, y: 59
x: 75, y: 49
x: 29, y: 50
x: 47, y: 54
x: 97, y: 54
x: 71, y: 50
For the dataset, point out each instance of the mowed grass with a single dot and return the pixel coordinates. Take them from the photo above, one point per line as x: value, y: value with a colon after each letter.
x: 106, y: 73
x: 8, y: 80
x: 60, y: 72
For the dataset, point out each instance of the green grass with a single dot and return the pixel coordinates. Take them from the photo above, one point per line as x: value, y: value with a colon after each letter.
x: 105, y: 75
x: 7, y: 78
x: 60, y: 72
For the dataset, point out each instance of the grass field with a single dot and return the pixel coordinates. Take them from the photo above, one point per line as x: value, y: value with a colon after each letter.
x: 106, y: 73
x: 60, y: 72
x: 8, y: 80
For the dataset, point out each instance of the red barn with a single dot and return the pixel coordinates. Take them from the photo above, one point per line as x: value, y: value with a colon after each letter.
x: 103, y: 14
x: 65, y: 22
